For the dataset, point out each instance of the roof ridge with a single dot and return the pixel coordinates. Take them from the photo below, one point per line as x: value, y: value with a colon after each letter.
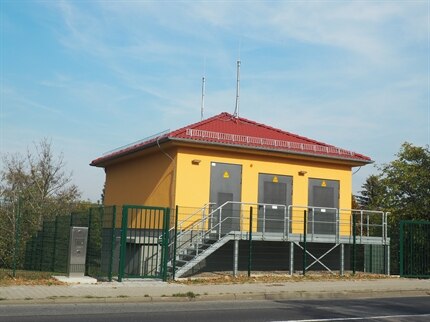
x: 202, y: 122
x: 286, y: 132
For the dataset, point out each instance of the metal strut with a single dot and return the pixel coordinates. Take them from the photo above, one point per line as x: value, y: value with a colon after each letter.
x: 318, y: 260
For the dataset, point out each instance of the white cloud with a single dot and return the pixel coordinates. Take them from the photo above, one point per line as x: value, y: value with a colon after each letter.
x: 352, y: 74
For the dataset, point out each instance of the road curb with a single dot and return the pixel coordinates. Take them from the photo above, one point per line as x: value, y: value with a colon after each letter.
x: 249, y: 296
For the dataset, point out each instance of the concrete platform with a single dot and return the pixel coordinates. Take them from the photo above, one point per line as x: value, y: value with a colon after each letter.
x: 76, y: 280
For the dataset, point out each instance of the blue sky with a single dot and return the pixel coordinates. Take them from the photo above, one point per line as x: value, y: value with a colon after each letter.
x: 96, y: 75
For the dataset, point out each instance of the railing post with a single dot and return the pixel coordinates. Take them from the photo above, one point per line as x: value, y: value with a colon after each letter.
x: 175, y: 242
x: 313, y: 223
x: 219, y: 223
x: 285, y: 223
x: 337, y: 225
x: 305, y: 219
x: 250, y: 243
x: 264, y: 220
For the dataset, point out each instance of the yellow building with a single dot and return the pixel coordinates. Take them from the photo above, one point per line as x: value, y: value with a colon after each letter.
x: 231, y: 164
x: 227, y: 158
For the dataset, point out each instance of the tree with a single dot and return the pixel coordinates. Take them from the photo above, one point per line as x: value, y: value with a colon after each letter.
x: 403, y: 185
x: 408, y: 183
x: 403, y: 188
x: 372, y: 195
x: 39, y: 181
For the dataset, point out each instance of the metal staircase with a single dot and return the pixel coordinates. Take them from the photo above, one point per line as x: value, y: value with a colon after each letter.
x: 197, y: 238
x: 196, y: 242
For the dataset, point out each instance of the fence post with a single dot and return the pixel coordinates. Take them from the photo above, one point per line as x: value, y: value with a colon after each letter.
x: 124, y: 222
x: 402, y: 240
x: 165, y: 249
x: 55, y: 244
x: 250, y: 243
x: 305, y: 220
x: 113, y: 241
x: 90, y: 215
x: 354, y: 248
x: 175, y: 242
x: 17, y: 222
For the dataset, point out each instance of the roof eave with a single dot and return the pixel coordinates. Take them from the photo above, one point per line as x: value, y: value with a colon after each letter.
x: 103, y: 161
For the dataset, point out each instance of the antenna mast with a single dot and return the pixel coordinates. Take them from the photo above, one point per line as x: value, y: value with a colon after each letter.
x: 236, y: 109
x: 203, y: 98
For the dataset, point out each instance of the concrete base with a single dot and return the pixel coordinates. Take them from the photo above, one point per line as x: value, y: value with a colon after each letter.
x: 76, y: 280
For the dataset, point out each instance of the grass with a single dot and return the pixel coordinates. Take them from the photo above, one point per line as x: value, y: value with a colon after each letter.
x: 215, y: 279
x: 94, y: 297
x: 190, y: 295
x: 54, y: 297
x: 27, y: 278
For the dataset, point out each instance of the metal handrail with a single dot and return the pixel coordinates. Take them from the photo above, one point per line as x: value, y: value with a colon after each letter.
x: 313, y: 221
x: 199, y: 229
x: 365, y: 221
x: 192, y: 215
x: 202, y: 221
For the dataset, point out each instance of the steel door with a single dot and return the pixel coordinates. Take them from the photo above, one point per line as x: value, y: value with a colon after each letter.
x: 323, y: 194
x: 225, y: 185
x: 273, y: 189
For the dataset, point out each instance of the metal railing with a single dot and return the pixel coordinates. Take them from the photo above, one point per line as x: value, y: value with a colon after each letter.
x: 278, y: 222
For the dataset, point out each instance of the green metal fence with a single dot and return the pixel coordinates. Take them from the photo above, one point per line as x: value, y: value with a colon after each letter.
x: 144, y: 242
x: 48, y: 249
x: 415, y: 249
x: 11, y: 247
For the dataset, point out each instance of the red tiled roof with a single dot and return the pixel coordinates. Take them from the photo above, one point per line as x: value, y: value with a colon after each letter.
x: 225, y: 129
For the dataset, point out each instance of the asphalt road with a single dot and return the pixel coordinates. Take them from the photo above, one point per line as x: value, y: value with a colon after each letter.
x: 385, y: 309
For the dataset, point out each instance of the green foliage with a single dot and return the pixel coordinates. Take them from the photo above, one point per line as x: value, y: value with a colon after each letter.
x: 408, y: 183
x: 373, y: 193
x: 403, y: 185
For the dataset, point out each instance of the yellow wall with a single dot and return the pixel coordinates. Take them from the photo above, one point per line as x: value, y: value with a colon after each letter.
x: 144, y: 180
x: 151, y: 179
x: 193, y: 181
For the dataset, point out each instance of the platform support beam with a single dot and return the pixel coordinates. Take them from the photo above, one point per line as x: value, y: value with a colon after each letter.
x: 342, y: 259
x: 235, y: 257
x: 291, y: 258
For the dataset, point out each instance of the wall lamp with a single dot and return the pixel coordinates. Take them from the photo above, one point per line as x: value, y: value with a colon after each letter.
x: 196, y: 161
x: 302, y: 173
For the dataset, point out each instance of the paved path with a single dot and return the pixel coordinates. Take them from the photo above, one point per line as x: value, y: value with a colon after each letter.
x: 148, y: 290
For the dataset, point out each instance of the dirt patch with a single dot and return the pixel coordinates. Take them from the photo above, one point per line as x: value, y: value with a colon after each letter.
x: 27, y: 278
x: 242, y: 278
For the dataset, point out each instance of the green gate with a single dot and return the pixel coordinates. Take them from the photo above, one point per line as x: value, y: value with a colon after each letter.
x: 144, y: 242
x: 415, y: 249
